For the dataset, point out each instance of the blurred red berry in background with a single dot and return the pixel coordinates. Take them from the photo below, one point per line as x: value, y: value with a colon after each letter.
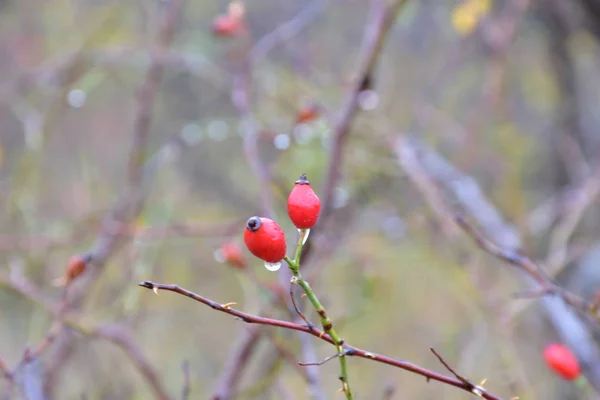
x: 562, y: 361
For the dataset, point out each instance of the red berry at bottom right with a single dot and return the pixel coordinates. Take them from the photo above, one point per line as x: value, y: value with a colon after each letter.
x: 562, y: 361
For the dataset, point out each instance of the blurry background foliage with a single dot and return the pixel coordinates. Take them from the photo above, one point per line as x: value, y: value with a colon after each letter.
x: 522, y: 121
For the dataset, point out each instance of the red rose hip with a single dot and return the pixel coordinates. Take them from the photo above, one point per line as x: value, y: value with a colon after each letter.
x: 232, y: 255
x: 303, y: 204
x: 226, y: 26
x: 265, y: 239
x: 562, y: 361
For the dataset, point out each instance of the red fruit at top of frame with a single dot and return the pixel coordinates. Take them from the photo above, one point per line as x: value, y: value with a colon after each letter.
x: 562, y: 361
x: 231, y: 23
x: 265, y: 239
x: 303, y: 204
x: 226, y: 26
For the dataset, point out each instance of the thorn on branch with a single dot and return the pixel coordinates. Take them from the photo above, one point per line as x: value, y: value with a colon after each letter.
x: 344, y: 388
x: 227, y: 306
x: 477, y: 390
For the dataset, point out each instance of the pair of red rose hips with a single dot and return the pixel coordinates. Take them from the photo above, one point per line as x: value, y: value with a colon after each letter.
x: 263, y: 236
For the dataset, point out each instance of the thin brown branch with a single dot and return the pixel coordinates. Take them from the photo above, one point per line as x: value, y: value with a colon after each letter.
x: 449, y: 368
x: 286, y: 354
x: 242, y: 102
x: 349, y: 351
x: 236, y: 363
x: 475, y: 389
x: 174, y: 230
x: 308, y: 323
x: 149, y: 88
x: 131, y: 201
x: 374, y: 39
x: 30, y: 355
x: 581, y: 200
x: 502, y: 240
x: 306, y: 364
x: 115, y: 334
x: 546, y: 287
x: 118, y: 336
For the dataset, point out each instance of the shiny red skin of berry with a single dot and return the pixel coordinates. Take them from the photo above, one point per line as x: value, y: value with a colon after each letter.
x: 303, y: 205
x: 562, y: 361
x: 267, y: 242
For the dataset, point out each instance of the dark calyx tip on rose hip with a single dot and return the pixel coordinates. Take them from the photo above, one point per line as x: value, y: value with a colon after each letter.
x: 303, y: 180
x: 253, y: 224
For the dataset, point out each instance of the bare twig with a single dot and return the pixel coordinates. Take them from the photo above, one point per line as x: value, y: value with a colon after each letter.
x: 383, y: 18
x: 581, y: 200
x: 115, y: 334
x: 174, y: 230
x: 121, y: 338
x: 131, y: 202
x: 236, y: 363
x: 308, y: 323
x: 306, y: 364
x: 476, y: 389
x: 546, y: 287
x: 449, y: 368
x: 349, y: 351
x: 148, y: 90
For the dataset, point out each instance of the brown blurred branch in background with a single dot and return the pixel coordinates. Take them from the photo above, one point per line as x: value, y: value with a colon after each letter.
x: 115, y: 334
x: 546, y: 287
x: 576, y: 205
x: 149, y: 88
x: 383, y: 18
x: 190, y: 229
x: 132, y: 199
x: 502, y: 240
x: 121, y: 337
x: 349, y: 351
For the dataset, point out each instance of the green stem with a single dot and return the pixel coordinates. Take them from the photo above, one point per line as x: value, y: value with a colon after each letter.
x: 326, y: 323
x: 303, y: 233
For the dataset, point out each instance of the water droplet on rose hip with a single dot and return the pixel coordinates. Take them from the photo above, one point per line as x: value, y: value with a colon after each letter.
x: 304, y: 232
x: 273, y: 266
x: 219, y: 256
